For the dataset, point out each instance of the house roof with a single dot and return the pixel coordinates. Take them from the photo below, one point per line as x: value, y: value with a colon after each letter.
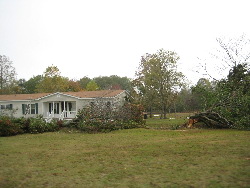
x: 95, y: 94
x: 17, y: 97
x: 80, y: 94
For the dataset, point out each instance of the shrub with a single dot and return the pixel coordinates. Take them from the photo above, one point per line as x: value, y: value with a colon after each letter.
x: 8, y: 127
x: 100, y: 118
x: 54, y: 125
x: 23, y: 123
x: 38, y: 125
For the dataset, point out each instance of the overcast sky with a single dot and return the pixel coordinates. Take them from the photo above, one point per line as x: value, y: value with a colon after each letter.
x: 108, y: 37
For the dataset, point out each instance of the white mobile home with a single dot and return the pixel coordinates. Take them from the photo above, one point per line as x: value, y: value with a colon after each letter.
x: 61, y: 105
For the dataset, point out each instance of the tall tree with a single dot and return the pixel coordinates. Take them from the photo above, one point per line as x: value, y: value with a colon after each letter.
x: 204, y: 94
x: 233, y: 96
x: 185, y: 101
x: 52, y: 81
x: 7, y: 75
x: 84, y: 81
x: 157, y: 75
x: 146, y: 94
x: 113, y: 82
x: 30, y: 86
x: 92, y: 86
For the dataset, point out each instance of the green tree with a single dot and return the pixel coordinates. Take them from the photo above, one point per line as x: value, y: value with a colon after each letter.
x: 232, y: 94
x: 84, y: 81
x: 30, y: 86
x: 146, y: 95
x: 92, y: 86
x: 186, y: 102
x: 52, y: 81
x: 52, y: 71
x: 158, y: 78
x: 113, y: 82
x: 7, y: 75
x: 204, y: 94
x: 20, y: 86
x: 233, y: 97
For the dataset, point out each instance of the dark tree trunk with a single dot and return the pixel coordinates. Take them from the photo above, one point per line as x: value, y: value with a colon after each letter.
x: 150, y: 112
x: 164, y: 112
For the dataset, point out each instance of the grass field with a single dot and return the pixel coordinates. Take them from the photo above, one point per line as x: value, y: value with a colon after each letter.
x: 127, y: 158
x: 173, y: 121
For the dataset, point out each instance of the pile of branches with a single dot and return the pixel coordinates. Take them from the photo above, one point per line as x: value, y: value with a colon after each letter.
x: 210, y: 119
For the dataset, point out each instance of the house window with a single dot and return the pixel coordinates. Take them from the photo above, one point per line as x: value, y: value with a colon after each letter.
x: 92, y: 104
x: 108, y: 104
x: 70, y: 106
x: 33, y: 108
x: 6, y: 106
x: 9, y: 106
x: 54, y: 107
x: 26, y: 108
x: 30, y: 108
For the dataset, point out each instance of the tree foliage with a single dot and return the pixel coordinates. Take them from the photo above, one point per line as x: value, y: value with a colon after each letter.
x: 233, y: 96
x: 30, y: 86
x: 113, y: 82
x: 204, y: 94
x: 230, y: 98
x: 7, y: 75
x: 74, y: 86
x: 52, y: 81
x: 186, y: 101
x: 101, y: 117
x: 157, y: 79
x: 92, y: 86
x: 84, y: 81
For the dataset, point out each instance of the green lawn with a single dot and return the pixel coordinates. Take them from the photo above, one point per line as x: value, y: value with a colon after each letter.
x: 127, y: 158
x: 173, y: 121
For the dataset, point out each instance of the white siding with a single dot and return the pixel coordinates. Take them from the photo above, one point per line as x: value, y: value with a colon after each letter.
x: 43, y: 103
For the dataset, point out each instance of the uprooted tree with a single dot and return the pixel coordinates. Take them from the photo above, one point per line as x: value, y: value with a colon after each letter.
x: 210, y: 119
x: 231, y: 101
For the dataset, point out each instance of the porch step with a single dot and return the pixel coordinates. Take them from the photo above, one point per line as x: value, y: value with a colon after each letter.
x: 67, y: 119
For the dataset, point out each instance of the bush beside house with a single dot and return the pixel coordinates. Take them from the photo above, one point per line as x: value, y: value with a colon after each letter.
x: 98, y: 118
x: 101, y: 118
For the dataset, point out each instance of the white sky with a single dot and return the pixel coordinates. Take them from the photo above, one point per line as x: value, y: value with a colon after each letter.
x: 108, y: 37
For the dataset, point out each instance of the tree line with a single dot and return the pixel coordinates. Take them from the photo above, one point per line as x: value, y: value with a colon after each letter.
x: 52, y: 81
x: 162, y: 88
x: 158, y: 84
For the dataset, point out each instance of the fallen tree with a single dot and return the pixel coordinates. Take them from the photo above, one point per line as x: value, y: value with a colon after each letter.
x: 210, y: 119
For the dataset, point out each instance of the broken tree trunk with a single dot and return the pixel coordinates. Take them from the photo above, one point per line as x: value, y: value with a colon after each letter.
x: 210, y: 119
